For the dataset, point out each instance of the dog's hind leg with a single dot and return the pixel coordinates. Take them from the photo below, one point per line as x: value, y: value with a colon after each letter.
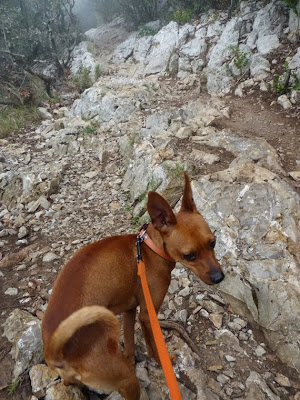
x: 128, y: 326
x: 106, y: 367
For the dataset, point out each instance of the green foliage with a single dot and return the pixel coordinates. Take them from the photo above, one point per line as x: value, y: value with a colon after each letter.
x: 191, y: 8
x: 281, y: 82
x: 13, y: 119
x: 278, y: 84
x: 296, y: 85
x: 145, y: 30
x: 38, y: 29
x: 13, y: 386
x: 293, y: 5
x: 127, y: 207
x: 90, y: 129
x: 153, y: 184
x: 33, y: 32
x: 83, y: 80
x: 98, y: 72
x: 183, y: 16
x: 241, y: 58
x: 135, y: 12
x: 172, y: 170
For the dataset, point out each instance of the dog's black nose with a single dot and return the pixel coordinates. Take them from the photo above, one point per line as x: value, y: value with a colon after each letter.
x: 216, y: 276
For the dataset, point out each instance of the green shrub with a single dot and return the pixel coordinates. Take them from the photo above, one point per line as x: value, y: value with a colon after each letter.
x: 145, y: 30
x: 293, y: 5
x: 281, y: 82
x: 135, y: 12
x: 183, y: 16
x: 197, y: 6
x: 90, y: 129
x: 83, y: 80
x: 98, y: 72
x: 13, y: 119
x: 13, y: 386
x: 241, y: 58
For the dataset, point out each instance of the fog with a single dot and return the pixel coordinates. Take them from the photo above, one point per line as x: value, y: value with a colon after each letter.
x: 86, y: 14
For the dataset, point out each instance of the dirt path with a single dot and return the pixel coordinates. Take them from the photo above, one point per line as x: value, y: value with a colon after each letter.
x: 254, y: 116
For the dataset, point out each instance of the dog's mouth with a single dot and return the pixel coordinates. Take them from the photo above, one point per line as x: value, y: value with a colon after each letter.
x: 212, y: 276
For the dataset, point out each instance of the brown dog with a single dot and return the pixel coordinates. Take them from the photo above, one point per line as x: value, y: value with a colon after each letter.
x: 80, y: 330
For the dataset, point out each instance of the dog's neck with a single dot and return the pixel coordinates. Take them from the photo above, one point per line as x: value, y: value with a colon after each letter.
x: 156, y: 237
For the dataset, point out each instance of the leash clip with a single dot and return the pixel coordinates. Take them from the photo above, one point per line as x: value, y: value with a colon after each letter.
x: 142, y: 235
x: 138, y: 242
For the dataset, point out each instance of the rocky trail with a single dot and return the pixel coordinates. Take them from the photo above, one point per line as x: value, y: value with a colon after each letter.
x: 84, y: 173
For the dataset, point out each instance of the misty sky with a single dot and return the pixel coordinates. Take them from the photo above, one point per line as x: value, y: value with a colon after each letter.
x: 85, y: 14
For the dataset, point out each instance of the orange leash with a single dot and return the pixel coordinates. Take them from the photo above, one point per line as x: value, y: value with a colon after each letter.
x: 157, y: 333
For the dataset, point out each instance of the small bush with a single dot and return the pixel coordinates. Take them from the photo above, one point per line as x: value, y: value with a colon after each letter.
x: 13, y: 386
x: 293, y: 5
x: 145, y: 30
x: 90, y: 129
x: 13, y: 119
x: 198, y: 6
x: 98, y: 72
x: 281, y: 82
x: 240, y: 59
x: 83, y: 80
x: 183, y: 16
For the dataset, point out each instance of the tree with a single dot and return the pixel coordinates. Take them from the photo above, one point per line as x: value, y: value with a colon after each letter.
x: 31, y: 32
x: 135, y: 12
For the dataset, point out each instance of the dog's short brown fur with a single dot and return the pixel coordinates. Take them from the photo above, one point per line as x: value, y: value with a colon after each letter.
x: 80, y: 331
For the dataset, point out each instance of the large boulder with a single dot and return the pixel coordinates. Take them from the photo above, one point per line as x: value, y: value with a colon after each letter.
x: 142, y: 48
x: 26, y: 185
x: 268, y: 43
x: 294, y: 24
x: 151, y: 166
x: 193, y: 54
x: 112, y: 101
x: 227, y: 41
x: 269, y: 20
x: 84, y: 59
x: 125, y: 49
x: 24, y: 332
x: 256, y: 214
x: 217, y: 71
x: 259, y: 67
x: 165, y: 43
x: 256, y: 150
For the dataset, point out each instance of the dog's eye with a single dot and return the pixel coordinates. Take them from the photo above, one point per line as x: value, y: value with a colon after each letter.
x: 190, y: 256
x: 212, y: 244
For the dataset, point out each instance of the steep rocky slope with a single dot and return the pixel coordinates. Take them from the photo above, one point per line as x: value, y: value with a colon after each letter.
x: 84, y: 174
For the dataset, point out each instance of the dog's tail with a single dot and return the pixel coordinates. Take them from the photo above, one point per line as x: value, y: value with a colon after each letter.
x: 68, y: 327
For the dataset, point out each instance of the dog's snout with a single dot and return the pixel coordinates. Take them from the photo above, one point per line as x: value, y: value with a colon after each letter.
x: 216, y: 276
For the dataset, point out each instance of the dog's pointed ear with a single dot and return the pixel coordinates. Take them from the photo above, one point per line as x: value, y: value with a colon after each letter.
x: 187, y: 203
x: 161, y: 214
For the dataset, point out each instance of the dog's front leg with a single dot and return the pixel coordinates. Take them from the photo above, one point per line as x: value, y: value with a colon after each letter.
x: 147, y: 332
x: 128, y: 326
x: 158, y: 291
